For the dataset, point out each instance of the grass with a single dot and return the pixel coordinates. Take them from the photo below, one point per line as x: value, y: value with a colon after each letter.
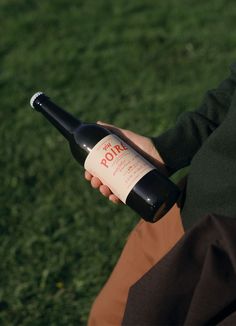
x: 137, y: 64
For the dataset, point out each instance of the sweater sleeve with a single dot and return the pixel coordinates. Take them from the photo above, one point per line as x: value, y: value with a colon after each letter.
x: 178, y: 145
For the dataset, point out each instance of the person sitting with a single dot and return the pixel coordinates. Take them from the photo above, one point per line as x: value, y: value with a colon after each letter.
x: 204, y: 140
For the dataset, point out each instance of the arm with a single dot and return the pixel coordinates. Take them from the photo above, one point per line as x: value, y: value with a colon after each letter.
x: 178, y: 145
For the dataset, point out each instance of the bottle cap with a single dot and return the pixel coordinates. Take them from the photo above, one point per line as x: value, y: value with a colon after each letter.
x: 33, y: 98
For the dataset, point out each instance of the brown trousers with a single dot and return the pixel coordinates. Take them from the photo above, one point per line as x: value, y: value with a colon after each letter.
x: 145, y: 246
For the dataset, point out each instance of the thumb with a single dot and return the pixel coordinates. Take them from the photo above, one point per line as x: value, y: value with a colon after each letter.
x: 105, y: 124
x: 110, y: 126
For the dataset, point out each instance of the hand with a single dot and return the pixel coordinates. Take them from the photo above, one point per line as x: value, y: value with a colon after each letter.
x: 142, y: 143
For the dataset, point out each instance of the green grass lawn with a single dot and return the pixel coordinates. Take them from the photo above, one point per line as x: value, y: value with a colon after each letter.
x: 137, y: 64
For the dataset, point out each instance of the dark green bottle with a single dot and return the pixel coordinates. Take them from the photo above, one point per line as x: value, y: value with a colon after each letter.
x: 130, y: 176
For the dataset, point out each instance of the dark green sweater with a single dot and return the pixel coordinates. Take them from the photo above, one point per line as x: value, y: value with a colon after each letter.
x: 206, y: 140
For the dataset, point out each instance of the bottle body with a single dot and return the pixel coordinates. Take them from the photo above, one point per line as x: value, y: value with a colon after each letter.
x: 131, y: 177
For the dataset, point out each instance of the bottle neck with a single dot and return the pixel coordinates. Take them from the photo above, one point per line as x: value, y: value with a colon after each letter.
x: 61, y: 119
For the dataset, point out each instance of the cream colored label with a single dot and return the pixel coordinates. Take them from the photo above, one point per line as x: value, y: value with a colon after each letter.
x: 117, y: 165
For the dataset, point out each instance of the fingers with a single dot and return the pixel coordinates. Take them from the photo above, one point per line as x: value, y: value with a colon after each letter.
x: 104, y: 190
x: 95, y: 182
x: 114, y: 199
x: 87, y: 175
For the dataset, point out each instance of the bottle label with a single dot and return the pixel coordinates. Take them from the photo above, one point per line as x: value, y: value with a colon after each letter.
x: 117, y: 165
